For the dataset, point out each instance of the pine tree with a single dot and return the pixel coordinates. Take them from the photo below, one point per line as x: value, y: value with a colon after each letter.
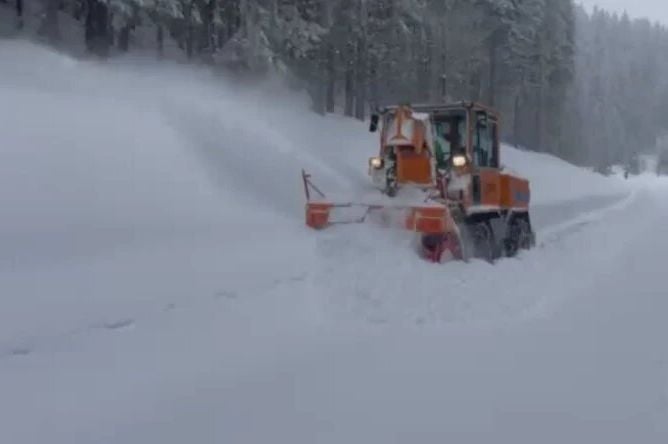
x: 590, y: 88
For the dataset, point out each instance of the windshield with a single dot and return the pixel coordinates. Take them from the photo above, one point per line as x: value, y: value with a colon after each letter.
x: 449, y: 133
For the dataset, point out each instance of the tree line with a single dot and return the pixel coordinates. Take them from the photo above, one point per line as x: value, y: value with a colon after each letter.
x: 590, y: 88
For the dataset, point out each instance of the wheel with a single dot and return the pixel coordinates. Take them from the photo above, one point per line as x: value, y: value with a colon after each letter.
x: 519, y: 236
x: 391, y: 183
x: 482, y: 239
x: 526, y: 238
x: 431, y: 247
x: 436, y: 247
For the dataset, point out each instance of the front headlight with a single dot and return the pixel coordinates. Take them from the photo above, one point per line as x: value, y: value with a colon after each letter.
x: 376, y: 162
x: 459, y: 160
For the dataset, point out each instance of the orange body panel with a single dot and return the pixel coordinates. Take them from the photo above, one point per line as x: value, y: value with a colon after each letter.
x: 490, y: 187
x: 413, y: 167
x: 515, y: 192
x: 501, y: 190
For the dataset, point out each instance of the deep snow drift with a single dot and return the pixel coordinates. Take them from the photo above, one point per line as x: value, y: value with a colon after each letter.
x: 158, y: 284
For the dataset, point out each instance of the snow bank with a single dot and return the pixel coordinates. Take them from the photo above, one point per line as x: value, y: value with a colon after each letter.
x: 556, y: 181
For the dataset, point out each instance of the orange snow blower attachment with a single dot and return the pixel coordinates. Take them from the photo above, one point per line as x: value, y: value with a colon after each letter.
x: 317, y: 215
x: 428, y: 220
x: 431, y: 220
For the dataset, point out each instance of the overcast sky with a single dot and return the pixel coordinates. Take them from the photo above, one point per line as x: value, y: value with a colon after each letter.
x: 656, y: 10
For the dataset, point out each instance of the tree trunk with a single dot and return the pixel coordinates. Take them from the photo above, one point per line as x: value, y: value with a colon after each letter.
x: 326, y: 20
x: 206, y: 44
x: 19, y: 13
x: 491, y: 99
x: 330, y: 100
x: 373, y: 82
x: 97, y: 28
x: 445, y: 66
x: 318, y: 84
x: 538, y: 121
x: 189, y: 35
x: 540, y: 105
x: 79, y: 9
x: 350, y: 82
x: 124, y: 38
x: 475, y: 85
x: 423, y: 50
x: 361, y: 82
x: 50, y: 27
x: 516, y: 120
x: 160, y: 40
x: 232, y: 18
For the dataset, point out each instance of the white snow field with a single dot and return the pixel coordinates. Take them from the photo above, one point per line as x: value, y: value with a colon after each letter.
x: 158, y: 285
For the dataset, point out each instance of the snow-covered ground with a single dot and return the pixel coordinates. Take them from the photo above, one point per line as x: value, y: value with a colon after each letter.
x: 158, y: 285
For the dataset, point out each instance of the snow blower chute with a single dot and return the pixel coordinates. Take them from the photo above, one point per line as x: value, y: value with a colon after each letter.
x: 438, y: 175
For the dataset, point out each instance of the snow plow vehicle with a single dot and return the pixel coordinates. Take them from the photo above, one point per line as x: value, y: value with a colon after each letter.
x: 438, y: 173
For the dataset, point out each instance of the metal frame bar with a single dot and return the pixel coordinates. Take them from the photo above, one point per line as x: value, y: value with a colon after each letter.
x: 308, y: 185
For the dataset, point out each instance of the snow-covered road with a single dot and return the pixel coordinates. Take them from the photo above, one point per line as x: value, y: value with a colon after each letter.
x: 588, y: 363
x: 594, y: 369
x: 157, y: 284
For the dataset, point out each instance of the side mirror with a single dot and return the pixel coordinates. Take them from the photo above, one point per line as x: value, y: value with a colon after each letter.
x: 373, y: 126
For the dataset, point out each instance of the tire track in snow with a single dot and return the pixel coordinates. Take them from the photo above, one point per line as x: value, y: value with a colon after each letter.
x: 375, y: 276
x: 120, y: 324
x: 550, y: 234
x: 389, y: 288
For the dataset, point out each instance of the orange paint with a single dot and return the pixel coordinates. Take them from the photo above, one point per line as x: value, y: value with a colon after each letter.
x: 490, y: 187
x: 429, y: 220
x: 413, y: 167
x: 317, y: 215
x: 515, y: 192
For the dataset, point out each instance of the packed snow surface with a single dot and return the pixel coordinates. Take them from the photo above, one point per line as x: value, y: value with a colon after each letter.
x: 158, y: 284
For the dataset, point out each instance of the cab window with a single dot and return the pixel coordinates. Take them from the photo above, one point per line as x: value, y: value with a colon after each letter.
x: 484, y: 146
x: 450, y: 133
